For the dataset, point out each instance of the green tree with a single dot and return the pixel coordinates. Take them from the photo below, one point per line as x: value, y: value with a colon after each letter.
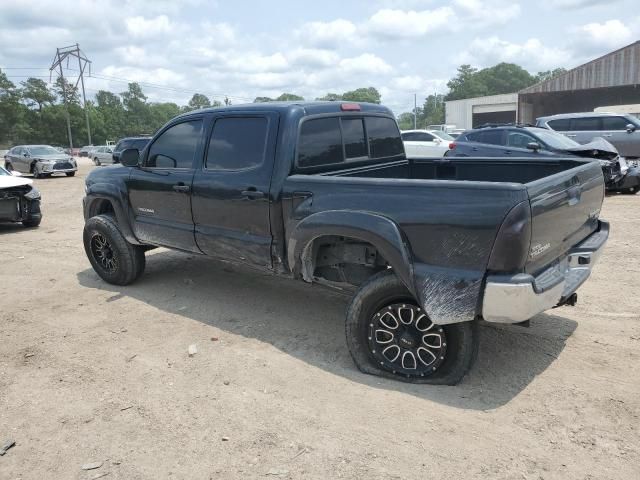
x: 501, y: 78
x: 12, y: 128
x: 432, y: 111
x: 330, y: 97
x: 66, y: 91
x: 262, y: 100
x: 405, y: 121
x: 546, y: 75
x: 138, y: 114
x: 199, y: 101
x: 36, y: 92
x: 289, y: 97
x: 370, y: 95
x: 465, y: 84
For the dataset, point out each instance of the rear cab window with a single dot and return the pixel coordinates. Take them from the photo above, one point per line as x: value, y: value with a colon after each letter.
x: 335, y: 140
x: 560, y: 125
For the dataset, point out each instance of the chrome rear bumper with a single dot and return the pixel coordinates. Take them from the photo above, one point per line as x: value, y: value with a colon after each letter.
x: 516, y: 298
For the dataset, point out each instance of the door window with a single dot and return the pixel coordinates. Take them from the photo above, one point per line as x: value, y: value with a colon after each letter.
x: 176, y: 146
x: 587, y: 124
x: 493, y: 137
x: 614, y: 123
x: 519, y: 140
x: 237, y: 143
x: 424, y: 137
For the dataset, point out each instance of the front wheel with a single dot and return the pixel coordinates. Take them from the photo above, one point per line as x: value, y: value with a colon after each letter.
x: 70, y: 174
x: 388, y: 334
x: 96, y: 161
x: 8, y: 167
x: 111, y: 256
x: 630, y: 191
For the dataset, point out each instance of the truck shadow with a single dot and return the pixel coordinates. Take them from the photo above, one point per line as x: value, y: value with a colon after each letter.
x: 307, y: 321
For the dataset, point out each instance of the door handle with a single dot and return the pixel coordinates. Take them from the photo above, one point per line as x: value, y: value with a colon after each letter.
x: 508, y: 152
x: 608, y: 135
x: 182, y: 188
x: 252, y: 193
x: 571, y: 136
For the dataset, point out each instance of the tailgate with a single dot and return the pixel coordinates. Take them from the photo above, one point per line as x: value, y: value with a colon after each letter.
x: 564, y: 210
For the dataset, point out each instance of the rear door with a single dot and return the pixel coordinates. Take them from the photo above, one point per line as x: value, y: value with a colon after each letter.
x: 231, y: 191
x: 564, y: 210
x: 487, y: 143
x: 584, y: 129
x: 160, y: 191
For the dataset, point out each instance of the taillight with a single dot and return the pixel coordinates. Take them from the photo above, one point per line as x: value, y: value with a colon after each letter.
x: 350, y: 107
x: 511, y: 247
x: 452, y: 145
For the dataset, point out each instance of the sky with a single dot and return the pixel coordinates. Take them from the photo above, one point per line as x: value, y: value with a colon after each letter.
x: 244, y: 49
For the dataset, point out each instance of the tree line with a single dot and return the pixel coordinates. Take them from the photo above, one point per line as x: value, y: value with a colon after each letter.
x: 34, y: 112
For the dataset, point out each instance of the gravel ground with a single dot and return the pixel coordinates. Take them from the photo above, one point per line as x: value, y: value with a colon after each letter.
x: 92, y: 373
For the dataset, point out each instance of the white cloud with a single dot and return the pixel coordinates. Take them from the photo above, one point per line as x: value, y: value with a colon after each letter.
x: 406, y: 24
x: 141, y: 27
x: 365, y: 63
x: 601, y: 37
x: 532, y: 55
x: 485, y: 13
x: 313, y: 58
x: 327, y: 34
x: 576, y: 4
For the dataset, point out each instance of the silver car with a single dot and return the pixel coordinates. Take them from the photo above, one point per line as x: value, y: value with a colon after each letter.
x: 102, y: 154
x: 621, y: 130
x: 39, y: 160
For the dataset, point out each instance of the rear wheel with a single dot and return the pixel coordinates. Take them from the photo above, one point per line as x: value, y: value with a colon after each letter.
x: 630, y: 191
x: 111, y: 256
x: 96, y: 160
x: 388, y: 334
x: 32, y: 221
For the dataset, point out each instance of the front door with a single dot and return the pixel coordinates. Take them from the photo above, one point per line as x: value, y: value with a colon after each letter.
x: 231, y: 192
x: 160, y: 190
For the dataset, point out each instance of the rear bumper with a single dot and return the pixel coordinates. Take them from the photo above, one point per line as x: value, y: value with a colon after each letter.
x: 514, y: 299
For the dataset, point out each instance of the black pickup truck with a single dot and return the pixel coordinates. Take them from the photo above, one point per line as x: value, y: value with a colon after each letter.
x: 323, y: 192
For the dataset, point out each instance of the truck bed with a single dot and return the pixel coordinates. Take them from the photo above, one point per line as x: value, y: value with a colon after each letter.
x: 450, y: 212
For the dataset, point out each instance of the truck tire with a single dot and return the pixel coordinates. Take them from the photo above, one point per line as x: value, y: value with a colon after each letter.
x: 32, y: 222
x: 389, y: 335
x: 630, y: 191
x: 114, y: 259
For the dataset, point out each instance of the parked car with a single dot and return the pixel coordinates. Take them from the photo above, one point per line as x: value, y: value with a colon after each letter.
x: 512, y: 140
x: 40, y: 161
x: 622, y: 130
x: 86, y: 151
x: 102, y: 155
x: 19, y: 199
x: 322, y: 192
x: 130, y: 142
x: 425, y: 143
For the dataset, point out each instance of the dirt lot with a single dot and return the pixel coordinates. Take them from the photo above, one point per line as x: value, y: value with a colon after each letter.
x: 94, y: 373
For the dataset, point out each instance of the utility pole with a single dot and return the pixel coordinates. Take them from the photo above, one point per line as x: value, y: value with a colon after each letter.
x: 415, y: 111
x: 66, y: 53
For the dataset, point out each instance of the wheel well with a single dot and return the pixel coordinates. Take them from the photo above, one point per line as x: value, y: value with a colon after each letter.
x: 101, y: 206
x: 32, y: 167
x: 343, y: 260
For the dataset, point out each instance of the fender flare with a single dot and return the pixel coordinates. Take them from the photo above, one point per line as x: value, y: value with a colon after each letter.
x: 115, y: 196
x: 379, y: 231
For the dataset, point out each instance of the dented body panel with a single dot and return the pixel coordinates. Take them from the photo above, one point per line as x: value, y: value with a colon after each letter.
x: 441, y: 225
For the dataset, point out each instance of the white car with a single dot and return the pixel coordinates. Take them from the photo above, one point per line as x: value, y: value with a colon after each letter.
x: 19, y: 199
x: 102, y: 154
x: 425, y: 143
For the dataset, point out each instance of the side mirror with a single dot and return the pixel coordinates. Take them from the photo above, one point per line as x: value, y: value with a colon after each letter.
x: 16, y: 173
x: 535, y: 146
x: 130, y: 157
x: 631, y: 128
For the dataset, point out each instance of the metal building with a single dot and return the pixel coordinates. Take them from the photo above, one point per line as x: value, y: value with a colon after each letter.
x: 471, y: 112
x: 609, y: 81
x: 613, y: 79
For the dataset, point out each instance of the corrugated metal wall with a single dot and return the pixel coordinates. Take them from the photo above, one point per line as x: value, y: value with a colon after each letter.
x: 618, y: 68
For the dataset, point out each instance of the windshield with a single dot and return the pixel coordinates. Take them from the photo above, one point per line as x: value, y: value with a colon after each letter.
x: 3, y: 172
x: 553, y: 139
x: 442, y: 135
x: 43, y: 151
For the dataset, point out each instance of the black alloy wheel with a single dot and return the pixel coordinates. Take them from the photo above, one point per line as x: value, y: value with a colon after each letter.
x: 103, y: 253
x: 403, y: 340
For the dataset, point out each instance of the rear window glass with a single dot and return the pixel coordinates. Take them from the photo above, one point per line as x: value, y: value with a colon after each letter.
x: 353, y: 135
x: 560, y: 125
x: 384, y: 138
x: 586, y: 124
x: 320, y: 142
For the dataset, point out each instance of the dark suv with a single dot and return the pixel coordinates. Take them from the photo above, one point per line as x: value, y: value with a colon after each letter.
x: 129, y: 142
x: 515, y: 140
